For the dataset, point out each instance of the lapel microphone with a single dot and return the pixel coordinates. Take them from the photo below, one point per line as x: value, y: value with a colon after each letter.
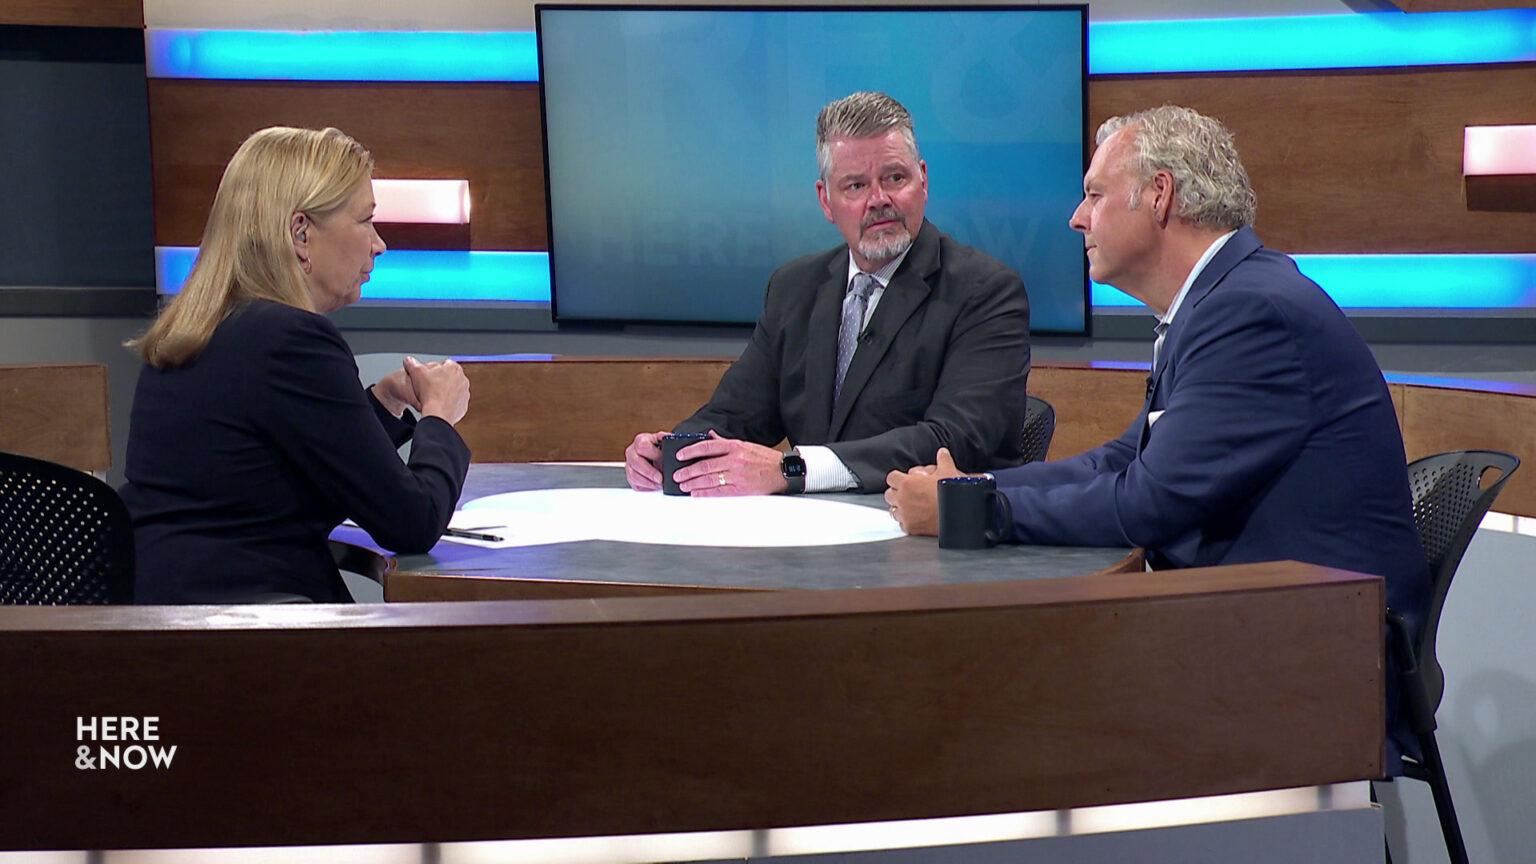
x: 1149, y: 386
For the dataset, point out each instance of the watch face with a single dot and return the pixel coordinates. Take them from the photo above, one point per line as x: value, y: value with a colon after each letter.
x: 793, y: 465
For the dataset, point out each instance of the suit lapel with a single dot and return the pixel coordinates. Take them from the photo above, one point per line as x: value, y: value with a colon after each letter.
x: 821, y: 342
x: 1240, y: 246
x: 907, y: 290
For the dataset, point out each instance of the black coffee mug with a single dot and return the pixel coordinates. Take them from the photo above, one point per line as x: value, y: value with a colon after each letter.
x: 967, y: 519
x: 670, y: 444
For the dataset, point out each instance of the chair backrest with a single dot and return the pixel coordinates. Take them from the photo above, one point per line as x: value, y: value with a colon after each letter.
x: 65, y: 537
x: 1450, y: 497
x: 1039, y: 428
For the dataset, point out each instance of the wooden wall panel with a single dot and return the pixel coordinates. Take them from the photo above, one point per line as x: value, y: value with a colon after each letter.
x: 580, y: 408
x: 486, y: 133
x: 1351, y: 162
x: 1511, y: 193
x: 73, y: 13
x: 1436, y: 419
x: 464, y: 721
x: 589, y: 408
x: 1093, y: 404
x: 58, y: 412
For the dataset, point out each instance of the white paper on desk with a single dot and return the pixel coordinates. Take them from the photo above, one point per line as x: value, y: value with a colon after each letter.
x: 564, y: 515
x: 515, y: 528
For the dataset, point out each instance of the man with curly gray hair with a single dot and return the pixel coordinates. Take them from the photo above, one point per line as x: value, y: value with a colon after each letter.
x: 1197, y: 151
x: 1267, y: 432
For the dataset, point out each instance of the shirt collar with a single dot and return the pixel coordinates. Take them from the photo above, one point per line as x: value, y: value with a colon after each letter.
x: 1194, y: 273
x: 883, y: 275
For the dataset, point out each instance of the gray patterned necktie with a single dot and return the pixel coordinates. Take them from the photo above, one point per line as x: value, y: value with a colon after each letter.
x: 855, y: 303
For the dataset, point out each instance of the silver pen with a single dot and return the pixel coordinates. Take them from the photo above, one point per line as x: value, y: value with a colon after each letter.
x: 471, y: 535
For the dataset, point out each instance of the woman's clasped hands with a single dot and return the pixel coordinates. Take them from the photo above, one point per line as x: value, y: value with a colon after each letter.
x: 434, y: 389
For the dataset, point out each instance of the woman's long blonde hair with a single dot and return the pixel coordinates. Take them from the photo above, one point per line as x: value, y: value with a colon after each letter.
x: 247, y: 251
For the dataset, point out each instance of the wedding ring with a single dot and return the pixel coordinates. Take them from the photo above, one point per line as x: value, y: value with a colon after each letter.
x: 721, y: 475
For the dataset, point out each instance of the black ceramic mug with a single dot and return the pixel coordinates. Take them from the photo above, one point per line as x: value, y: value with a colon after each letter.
x: 670, y: 444
x: 967, y: 517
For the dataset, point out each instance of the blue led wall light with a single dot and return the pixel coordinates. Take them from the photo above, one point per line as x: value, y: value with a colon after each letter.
x: 1403, y: 281
x: 1354, y: 281
x: 1346, y: 41
x: 1350, y: 41
x: 415, y: 274
x: 264, y: 55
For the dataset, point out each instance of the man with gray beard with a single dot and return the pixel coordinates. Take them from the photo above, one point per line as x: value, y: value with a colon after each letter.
x: 871, y: 356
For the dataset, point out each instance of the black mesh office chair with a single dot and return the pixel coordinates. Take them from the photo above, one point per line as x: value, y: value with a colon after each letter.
x: 1449, y: 500
x: 1039, y: 427
x: 65, y: 537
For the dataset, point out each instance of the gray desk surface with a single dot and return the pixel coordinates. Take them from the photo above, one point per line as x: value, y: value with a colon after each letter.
x: 902, y: 561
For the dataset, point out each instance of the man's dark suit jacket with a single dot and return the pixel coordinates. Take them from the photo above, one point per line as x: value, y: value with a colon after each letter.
x: 1268, y: 433
x: 942, y: 363
x: 242, y: 461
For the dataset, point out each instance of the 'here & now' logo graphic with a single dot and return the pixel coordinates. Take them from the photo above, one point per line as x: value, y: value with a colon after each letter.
x: 120, y: 742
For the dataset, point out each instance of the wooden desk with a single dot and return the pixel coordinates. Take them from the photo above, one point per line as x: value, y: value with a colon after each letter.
x: 461, y: 721
x: 733, y: 710
x: 606, y: 568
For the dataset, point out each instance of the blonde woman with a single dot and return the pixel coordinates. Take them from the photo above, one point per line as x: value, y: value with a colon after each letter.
x: 250, y: 437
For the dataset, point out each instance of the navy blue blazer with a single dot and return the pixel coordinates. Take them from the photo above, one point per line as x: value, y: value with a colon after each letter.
x: 942, y: 363
x: 1268, y: 433
x: 242, y: 461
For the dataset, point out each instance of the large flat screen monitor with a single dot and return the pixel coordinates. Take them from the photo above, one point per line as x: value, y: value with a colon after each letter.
x: 74, y: 160
x: 679, y: 145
